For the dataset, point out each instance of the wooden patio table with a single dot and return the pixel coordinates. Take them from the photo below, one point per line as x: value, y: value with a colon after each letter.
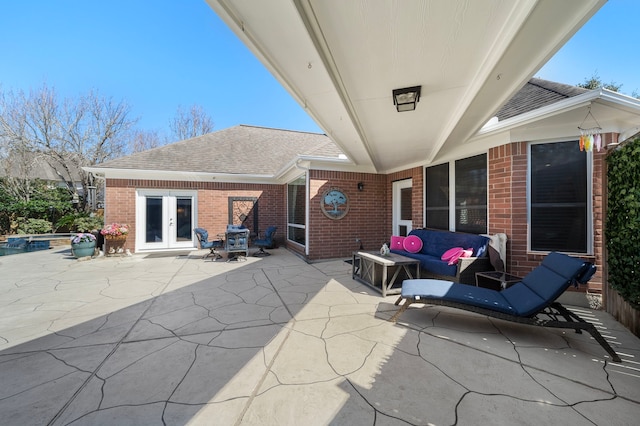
x: 383, y: 272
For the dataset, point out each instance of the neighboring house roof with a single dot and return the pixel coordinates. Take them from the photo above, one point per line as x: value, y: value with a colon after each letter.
x: 40, y: 166
x: 535, y: 94
x: 240, y: 149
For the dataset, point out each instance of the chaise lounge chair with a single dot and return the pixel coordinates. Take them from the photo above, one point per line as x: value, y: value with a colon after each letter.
x: 530, y: 301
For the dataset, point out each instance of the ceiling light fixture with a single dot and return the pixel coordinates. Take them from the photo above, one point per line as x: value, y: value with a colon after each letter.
x: 406, y: 99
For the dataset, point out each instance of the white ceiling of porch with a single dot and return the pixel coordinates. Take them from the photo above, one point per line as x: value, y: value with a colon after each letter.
x: 341, y: 59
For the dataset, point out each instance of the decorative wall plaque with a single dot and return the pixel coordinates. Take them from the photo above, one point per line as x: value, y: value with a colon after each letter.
x: 334, y: 203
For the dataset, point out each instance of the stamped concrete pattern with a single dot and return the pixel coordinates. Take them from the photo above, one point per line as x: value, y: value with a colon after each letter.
x: 176, y: 340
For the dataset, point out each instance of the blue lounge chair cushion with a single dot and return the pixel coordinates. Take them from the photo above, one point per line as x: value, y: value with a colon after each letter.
x: 454, y: 292
x: 535, y: 292
x: 524, y: 301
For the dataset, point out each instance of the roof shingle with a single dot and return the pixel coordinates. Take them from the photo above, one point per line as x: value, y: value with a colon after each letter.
x: 240, y: 149
x: 537, y: 93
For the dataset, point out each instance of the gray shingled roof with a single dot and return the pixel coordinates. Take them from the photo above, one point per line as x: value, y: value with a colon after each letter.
x: 239, y: 150
x: 40, y: 166
x: 536, y: 94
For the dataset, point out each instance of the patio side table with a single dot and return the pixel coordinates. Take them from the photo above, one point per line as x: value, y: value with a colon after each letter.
x: 383, y: 273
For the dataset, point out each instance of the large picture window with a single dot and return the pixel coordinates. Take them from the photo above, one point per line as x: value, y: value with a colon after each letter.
x: 467, y: 199
x: 296, y: 210
x: 558, y: 197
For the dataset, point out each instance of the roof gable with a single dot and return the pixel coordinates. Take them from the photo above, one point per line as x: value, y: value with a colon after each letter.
x: 537, y: 93
x: 240, y: 149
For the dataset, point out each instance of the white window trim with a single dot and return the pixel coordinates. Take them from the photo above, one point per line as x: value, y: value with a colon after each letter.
x: 452, y: 190
x: 306, y: 215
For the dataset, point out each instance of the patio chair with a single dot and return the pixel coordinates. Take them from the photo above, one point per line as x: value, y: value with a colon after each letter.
x: 530, y: 301
x: 265, y: 242
x: 213, y: 246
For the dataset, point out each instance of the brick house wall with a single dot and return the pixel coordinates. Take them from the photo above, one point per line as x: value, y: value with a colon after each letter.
x: 508, y: 207
x: 366, y: 220
x: 370, y: 211
x: 212, y: 208
x: 416, y: 175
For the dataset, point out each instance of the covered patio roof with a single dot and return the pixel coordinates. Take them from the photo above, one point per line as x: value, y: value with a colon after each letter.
x: 341, y: 61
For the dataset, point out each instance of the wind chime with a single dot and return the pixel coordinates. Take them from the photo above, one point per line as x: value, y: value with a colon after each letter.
x: 590, y: 137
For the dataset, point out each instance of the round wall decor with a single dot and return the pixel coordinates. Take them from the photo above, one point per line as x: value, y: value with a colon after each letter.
x: 334, y: 203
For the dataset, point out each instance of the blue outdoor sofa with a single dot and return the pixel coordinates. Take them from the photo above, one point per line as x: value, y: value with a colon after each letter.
x: 530, y: 301
x: 436, y: 242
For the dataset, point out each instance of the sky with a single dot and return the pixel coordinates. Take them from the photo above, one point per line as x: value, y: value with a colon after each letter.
x: 164, y: 54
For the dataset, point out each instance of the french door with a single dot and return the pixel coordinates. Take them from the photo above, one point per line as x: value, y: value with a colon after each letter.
x: 402, y: 207
x: 165, y: 219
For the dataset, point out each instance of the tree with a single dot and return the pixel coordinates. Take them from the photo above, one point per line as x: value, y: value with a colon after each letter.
x: 67, y: 133
x: 142, y: 140
x: 191, y: 123
x: 595, y: 83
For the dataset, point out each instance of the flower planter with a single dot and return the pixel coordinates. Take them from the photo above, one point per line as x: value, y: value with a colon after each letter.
x: 114, y: 245
x: 83, y: 249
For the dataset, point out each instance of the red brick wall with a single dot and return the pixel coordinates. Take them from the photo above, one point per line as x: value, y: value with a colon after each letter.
x: 212, y: 208
x: 417, y: 196
x: 508, y: 207
x: 367, y: 218
x: 370, y: 211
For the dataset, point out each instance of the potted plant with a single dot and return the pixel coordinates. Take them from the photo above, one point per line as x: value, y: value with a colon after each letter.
x: 115, y: 236
x: 83, y: 244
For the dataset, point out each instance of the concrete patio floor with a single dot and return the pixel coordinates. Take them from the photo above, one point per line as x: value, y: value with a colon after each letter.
x: 176, y: 340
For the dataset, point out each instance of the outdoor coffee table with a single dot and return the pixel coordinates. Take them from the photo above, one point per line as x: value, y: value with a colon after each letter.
x: 383, y: 272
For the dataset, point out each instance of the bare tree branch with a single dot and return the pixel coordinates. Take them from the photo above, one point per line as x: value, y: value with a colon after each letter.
x: 71, y: 133
x: 143, y: 140
x: 191, y: 123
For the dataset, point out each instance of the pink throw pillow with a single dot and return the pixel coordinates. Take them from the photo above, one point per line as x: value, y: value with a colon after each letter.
x: 412, y: 244
x: 397, y: 243
x: 452, y: 255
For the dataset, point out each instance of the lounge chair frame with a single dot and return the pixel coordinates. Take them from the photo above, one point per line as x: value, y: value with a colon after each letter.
x: 531, y: 301
x: 553, y: 316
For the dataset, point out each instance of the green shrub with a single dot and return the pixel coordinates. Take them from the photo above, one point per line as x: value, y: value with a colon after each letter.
x: 88, y: 223
x: 623, y: 221
x: 34, y: 226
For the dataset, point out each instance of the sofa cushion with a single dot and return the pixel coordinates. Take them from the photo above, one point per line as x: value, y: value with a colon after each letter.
x: 435, y: 242
x: 396, y: 242
x: 412, y: 244
x: 431, y: 263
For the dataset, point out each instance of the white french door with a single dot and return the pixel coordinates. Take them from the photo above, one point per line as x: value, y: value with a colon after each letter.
x: 402, y: 207
x: 165, y: 219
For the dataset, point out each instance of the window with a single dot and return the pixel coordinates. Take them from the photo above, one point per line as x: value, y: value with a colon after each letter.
x: 471, y: 194
x: 437, y: 202
x: 468, y: 200
x: 296, y: 210
x: 558, y: 197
